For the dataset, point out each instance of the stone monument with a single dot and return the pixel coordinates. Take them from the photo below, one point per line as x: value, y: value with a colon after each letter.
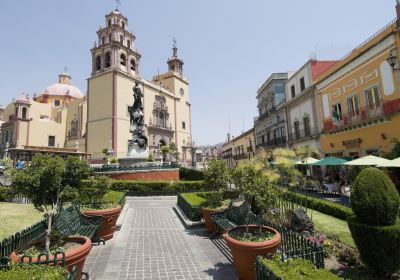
x: 137, y: 146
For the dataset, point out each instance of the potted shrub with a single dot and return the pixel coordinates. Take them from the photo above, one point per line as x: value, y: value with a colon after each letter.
x: 375, y: 227
x: 246, y: 242
x: 165, y: 150
x: 95, y: 203
x: 214, y: 201
x: 49, y: 182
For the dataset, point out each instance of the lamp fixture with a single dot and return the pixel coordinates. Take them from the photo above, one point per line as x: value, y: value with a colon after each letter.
x: 392, y: 60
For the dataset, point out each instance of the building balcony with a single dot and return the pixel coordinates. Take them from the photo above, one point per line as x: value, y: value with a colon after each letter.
x: 227, y: 156
x: 362, y: 116
x: 157, y: 106
x: 302, y: 134
x: 239, y: 157
x: 273, y: 143
x: 160, y: 126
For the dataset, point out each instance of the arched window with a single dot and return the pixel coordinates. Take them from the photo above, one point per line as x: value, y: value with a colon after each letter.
x: 109, y: 38
x: 98, y: 63
x: 103, y: 40
x: 121, y: 39
x: 7, y: 136
x: 24, y: 112
x: 133, y: 65
x: 123, y: 59
x: 108, y: 60
x: 181, y: 92
x: 109, y: 22
x: 123, y: 24
x: 128, y: 43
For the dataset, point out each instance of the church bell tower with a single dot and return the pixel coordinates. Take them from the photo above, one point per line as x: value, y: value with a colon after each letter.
x: 114, y: 48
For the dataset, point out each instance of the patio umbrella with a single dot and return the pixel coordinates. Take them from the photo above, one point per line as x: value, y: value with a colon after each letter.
x: 368, y: 160
x: 391, y: 163
x: 330, y: 161
x: 308, y: 160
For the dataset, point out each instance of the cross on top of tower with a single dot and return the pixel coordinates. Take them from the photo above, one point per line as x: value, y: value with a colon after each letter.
x: 117, y: 3
x: 174, y: 43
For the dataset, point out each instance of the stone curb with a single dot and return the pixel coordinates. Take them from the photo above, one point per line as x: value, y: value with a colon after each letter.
x: 185, y: 220
x: 122, y: 216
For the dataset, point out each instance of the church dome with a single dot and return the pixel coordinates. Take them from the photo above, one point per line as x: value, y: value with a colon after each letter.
x: 63, y: 88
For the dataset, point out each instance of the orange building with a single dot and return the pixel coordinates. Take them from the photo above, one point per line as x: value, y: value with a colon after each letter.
x: 358, y: 100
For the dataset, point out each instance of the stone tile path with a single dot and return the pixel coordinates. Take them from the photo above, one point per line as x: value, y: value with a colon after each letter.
x: 153, y: 244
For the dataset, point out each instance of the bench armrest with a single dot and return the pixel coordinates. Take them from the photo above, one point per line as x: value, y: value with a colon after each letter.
x: 91, y: 220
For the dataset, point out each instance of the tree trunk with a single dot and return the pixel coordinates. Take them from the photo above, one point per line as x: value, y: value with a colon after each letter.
x: 48, y: 232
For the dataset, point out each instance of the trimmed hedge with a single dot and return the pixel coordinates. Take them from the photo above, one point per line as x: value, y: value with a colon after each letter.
x: 189, y: 174
x: 374, y: 198
x: 276, y: 269
x: 140, y: 188
x: 379, y: 246
x: 29, y: 272
x: 327, y: 207
x: 190, y: 203
x: 192, y: 210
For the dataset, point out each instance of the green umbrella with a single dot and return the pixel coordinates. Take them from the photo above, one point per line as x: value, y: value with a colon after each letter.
x: 330, y: 161
x: 368, y: 160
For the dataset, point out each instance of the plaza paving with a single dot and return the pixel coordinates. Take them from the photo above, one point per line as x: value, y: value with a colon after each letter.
x: 153, y: 244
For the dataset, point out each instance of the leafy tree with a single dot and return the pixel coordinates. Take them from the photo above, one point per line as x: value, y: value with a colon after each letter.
x: 285, y: 162
x: 105, y: 152
x: 217, y: 174
x: 8, y: 165
x: 95, y: 192
x: 48, y: 182
x: 257, y: 180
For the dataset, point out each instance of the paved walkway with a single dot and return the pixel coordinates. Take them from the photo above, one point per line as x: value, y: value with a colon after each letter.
x: 153, y: 244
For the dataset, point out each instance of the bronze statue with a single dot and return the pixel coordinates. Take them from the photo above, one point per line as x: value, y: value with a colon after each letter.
x: 137, y: 118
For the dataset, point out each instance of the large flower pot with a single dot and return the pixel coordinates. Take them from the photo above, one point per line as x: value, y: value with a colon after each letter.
x: 110, y: 220
x: 245, y: 253
x: 207, y: 219
x: 75, y: 256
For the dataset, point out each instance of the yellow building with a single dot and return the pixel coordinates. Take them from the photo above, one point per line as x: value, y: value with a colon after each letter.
x: 358, y: 101
x: 239, y: 148
x: 62, y: 117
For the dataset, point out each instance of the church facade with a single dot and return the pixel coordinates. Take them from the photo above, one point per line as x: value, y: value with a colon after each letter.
x: 64, y: 118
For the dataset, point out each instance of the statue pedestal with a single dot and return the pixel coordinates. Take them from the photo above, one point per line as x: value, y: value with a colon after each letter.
x: 137, y: 156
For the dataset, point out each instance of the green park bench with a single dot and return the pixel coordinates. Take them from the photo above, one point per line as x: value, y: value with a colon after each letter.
x: 233, y: 216
x: 70, y: 221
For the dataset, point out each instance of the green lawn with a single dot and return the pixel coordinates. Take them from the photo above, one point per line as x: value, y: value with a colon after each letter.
x: 15, y: 217
x: 328, y: 224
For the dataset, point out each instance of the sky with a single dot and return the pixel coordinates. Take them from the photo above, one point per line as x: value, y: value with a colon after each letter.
x: 229, y: 47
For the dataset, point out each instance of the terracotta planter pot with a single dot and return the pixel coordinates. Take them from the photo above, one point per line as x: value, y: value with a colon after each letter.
x: 207, y: 219
x: 76, y: 256
x: 110, y: 220
x: 245, y: 253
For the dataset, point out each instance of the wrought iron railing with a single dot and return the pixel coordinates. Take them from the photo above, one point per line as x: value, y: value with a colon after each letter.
x: 111, y: 168
x: 302, y: 134
x: 362, y: 115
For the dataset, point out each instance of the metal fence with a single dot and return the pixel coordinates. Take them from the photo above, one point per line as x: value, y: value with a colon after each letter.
x: 111, y: 168
x: 294, y: 245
